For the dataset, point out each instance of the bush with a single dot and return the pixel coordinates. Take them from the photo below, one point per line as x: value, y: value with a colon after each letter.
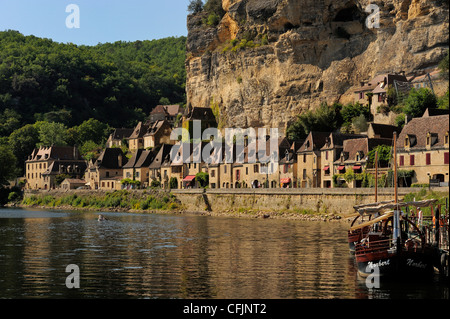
x: 13, y: 197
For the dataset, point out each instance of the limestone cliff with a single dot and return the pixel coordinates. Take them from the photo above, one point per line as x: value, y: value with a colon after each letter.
x: 299, y: 53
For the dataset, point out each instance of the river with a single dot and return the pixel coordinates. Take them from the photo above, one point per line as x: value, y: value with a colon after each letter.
x: 182, y: 256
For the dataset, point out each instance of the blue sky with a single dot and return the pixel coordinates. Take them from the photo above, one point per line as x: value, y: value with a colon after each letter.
x: 100, y: 20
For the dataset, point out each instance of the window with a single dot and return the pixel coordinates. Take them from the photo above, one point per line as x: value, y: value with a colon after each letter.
x: 446, y: 161
x: 304, y: 174
x: 107, y: 174
x: 326, y: 155
x: 238, y: 175
x: 213, y: 173
x: 255, y: 168
x: 225, y: 169
x: 361, y: 95
x: 286, y: 168
x: 428, y: 159
x: 246, y: 171
x: 304, y: 158
x: 411, y: 160
x: 402, y: 160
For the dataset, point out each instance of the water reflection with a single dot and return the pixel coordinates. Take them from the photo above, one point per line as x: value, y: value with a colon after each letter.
x: 168, y: 256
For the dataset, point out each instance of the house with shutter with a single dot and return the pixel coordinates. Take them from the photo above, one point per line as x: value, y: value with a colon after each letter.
x: 354, y: 157
x: 107, y: 171
x: 309, y: 160
x: 45, y: 164
x: 330, y: 152
x: 423, y: 147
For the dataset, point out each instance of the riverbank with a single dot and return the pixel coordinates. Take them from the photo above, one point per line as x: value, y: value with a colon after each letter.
x: 298, y: 204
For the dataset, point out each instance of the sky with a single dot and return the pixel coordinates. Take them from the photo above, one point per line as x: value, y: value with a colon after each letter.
x: 90, y: 22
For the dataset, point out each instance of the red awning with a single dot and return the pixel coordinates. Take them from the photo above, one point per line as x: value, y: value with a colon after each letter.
x: 285, y: 180
x: 356, y: 167
x: 326, y: 168
x: 189, y: 178
x: 340, y: 168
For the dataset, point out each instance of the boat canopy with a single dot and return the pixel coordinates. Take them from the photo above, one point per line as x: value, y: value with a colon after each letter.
x: 373, y: 221
x: 384, y: 206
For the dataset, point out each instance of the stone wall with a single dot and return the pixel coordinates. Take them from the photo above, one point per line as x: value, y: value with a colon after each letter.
x: 325, y: 201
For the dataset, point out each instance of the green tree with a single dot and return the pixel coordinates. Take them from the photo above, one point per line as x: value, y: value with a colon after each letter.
x: 195, y: 6
x: 9, y: 121
x: 52, y: 134
x: 325, y: 118
x: 360, y: 123
x: 7, y: 164
x: 443, y: 101
x: 22, y: 142
x: 90, y: 130
x: 444, y: 66
x: 418, y: 101
x: 173, y: 183
x: 90, y: 150
x: 202, y: 178
x: 384, y: 156
x: 351, y: 111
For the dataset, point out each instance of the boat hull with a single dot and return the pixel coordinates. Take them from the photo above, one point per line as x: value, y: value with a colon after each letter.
x: 386, y: 264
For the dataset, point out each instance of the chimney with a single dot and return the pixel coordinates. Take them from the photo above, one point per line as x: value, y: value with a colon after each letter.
x: 119, y: 160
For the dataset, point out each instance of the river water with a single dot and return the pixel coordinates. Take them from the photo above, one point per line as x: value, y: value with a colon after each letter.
x: 176, y: 256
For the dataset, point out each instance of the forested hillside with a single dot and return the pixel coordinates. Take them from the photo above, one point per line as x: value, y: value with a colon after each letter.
x: 116, y: 83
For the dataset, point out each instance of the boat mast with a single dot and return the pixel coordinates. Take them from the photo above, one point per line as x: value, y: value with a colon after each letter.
x: 395, y: 168
x: 376, y: 176
x: 396, y: 209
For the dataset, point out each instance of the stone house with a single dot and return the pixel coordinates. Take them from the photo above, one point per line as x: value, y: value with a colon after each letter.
x: 288, y: 169
x: 330, y: 152
x: 107, y: 171
x: 115, y: 138
x: 309, y: 160
x: 158, y: 133
x: 378, y: 87
x: 354, y: 156
x: 46, y: 163
x: 167, y: 113
x: 136, y: 139
x: 70, y: 183
x: 423, y: 147
x: 137, y: 167
x: 162, y: 156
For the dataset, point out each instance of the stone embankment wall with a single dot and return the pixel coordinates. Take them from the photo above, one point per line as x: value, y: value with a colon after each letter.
x: 223, y: 201
x: 324, y: 201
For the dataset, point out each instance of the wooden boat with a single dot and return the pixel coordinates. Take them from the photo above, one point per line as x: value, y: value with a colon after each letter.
x: 389, y: 244
x: 394, y: 246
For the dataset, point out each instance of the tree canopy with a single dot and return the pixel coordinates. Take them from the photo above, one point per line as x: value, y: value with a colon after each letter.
x: 42, y: 80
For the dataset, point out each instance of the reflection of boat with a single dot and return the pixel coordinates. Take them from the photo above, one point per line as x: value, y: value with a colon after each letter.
x: 389, y: 244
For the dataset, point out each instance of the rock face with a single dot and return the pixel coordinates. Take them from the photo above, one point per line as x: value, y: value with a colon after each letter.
x: 300, y: 53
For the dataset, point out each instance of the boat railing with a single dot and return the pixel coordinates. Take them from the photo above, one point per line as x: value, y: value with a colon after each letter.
x: 368, y: 246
